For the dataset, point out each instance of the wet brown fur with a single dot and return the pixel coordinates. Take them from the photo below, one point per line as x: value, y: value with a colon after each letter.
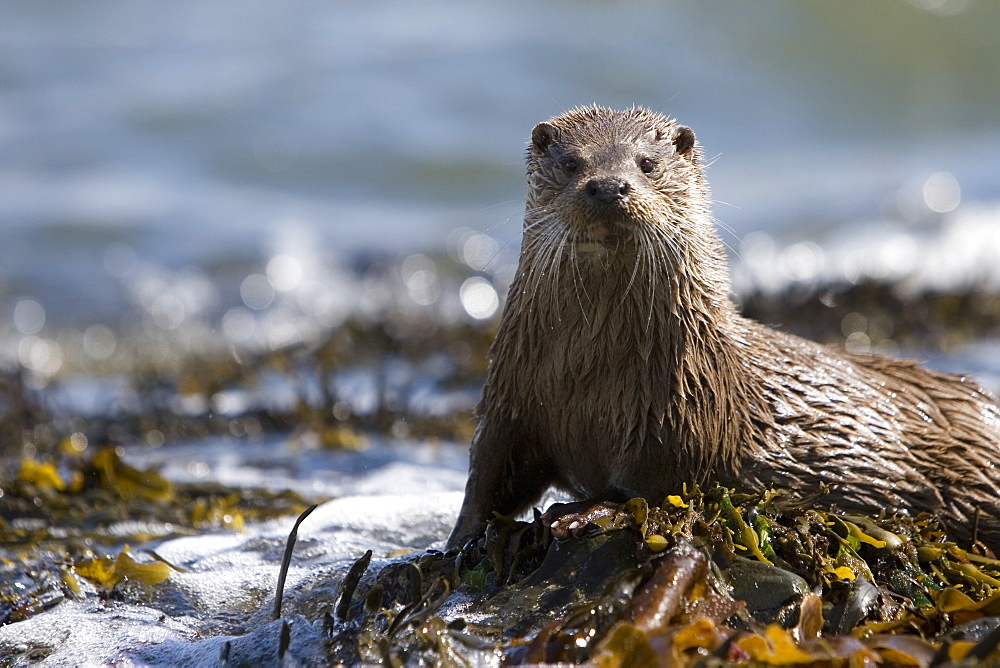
x: 621, y: 367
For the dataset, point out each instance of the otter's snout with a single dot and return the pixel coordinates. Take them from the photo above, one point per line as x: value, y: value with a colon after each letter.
x: 606, y: 190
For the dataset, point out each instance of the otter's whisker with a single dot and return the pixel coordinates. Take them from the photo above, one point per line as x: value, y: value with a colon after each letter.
x: 557, y: 262
x: 739, y: 242
x: 523, y: 231
x: 631, y: 280
x: 547, y: 243
x: 578, y: 284
x: 651, y: 258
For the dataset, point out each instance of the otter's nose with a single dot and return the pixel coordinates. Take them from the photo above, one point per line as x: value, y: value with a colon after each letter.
x: 607, y: 190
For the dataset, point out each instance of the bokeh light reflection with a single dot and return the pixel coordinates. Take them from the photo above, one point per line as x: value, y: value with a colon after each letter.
x: 479, y: 298
x: 942, y: 192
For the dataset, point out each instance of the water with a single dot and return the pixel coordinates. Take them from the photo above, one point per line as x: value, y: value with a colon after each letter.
x: 391, y: 500
x: 200, y: 136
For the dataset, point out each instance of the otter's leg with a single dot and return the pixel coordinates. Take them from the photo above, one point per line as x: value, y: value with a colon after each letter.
x: 505, y: 476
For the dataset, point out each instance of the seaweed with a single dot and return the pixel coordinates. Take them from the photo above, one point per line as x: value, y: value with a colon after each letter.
x: 286, y: 559
x: 708, y: 576
x: 66, y: 525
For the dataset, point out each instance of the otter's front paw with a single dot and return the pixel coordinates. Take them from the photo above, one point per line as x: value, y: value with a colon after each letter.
x: 578, y: 519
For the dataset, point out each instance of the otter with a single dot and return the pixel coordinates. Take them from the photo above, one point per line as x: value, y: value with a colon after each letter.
x: 621, y: 367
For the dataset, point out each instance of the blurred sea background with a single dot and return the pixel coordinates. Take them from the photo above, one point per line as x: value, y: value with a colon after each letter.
x: 188, y: 164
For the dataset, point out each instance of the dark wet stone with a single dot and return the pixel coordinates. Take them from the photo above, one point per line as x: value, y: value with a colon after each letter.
x: 765, y: 589
x: 860, y: 597
x: 973, y: 631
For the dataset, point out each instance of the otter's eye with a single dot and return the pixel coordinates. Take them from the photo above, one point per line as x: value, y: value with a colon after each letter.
x: 647, y: 165
x: 569, y: 164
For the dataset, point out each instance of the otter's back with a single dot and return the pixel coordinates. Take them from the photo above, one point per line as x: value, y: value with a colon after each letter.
x: 882, y: 432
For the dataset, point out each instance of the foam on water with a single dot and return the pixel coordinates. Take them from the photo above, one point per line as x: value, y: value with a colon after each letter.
x: 392, y: 498
x: 954, y: 251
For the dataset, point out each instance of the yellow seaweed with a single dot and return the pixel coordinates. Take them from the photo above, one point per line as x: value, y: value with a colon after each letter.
x: 676, y: 501
x: 656, y: 543
x: 128, y: 481
x: 776, y: 646
x: 41, y: 474
x: 106, y: 571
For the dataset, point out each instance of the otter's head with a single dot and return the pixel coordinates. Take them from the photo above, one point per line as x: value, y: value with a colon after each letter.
x: 610, y: 174
x: 625, y: 188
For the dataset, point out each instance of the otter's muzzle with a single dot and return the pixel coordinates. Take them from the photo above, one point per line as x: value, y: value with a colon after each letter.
x: 606, y: 190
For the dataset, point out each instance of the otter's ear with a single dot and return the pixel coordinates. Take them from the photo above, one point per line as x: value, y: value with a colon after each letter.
x: 684, y: 141
x: 542, y: 137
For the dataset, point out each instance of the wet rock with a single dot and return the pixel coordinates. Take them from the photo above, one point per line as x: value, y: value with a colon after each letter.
x: 573, y: 571
x: 764, y: 588
x: 860, y: 597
